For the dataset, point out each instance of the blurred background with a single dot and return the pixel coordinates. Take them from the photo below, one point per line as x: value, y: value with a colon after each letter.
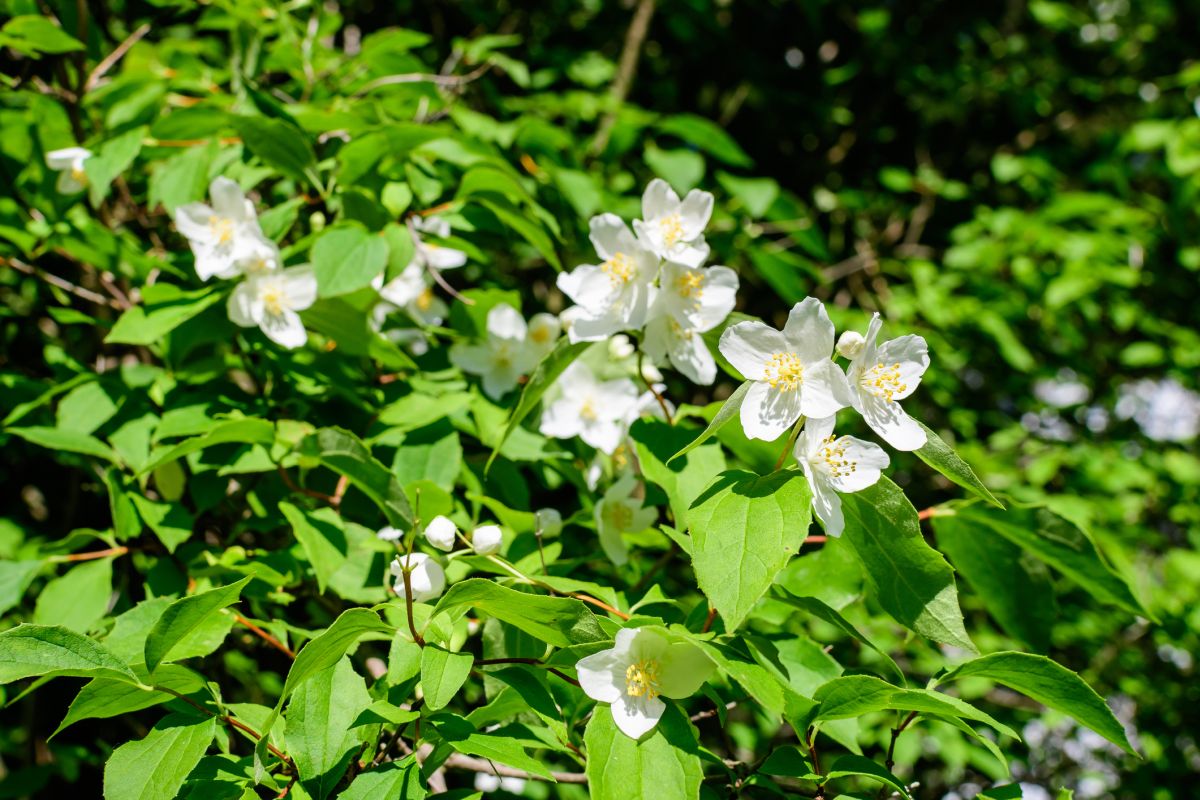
x: 1015, y: 180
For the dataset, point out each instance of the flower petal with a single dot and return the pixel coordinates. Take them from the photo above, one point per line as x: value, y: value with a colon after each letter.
x: 912, y: 354
x: 683, y: 669
x: 505, y: 322
x: 440, y: 257
x: 689, y: 354
x: 243, y: 310
x: 868, y: 458
x: 473, y: 358
x: 825, y: 389
x: 637, y: 716
x: 695, y: 212
x: 809, y: 331
x: 561, y: 420
x: 610, y: 236
x: 284, y: 329
x: 300, y: 287
x: 612, y: 544
x: 826, y: 504
x: 602, y: 675
x: 717, y: 300
x: 767, y: 412
x: 499, y: 381
x: 892, y: 423
x: 659, y: 200
x: 749, y: 345
x: 816, y: 431
x: 228, y: 199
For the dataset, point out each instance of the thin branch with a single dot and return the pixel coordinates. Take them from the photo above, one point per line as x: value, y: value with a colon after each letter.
x: 424, y: 77
x: 295, y: 487
x: 708, y: 621
x: 65, y: 285
x: 926, y: 513
x: 791, y: 442
x: 112, y: 58
x: 483, y: 662
x: 71, y: 557
x: 460, y: 761
x: 661, y: 402
x: 626, y: 69
x: 228, y: 720
x: 600, y: 604
x: 712, y: 712
x: 266, y: 637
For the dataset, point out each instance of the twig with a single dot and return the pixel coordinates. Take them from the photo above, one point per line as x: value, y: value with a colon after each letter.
x: 712, y: 712
x: 708, y: 621
x: 661, y: 402
x: 626, y: 69
x: 791, y: 442
x: 228, y: 720
x: 891, y: 751
x: 460, y: 761
x: 600, y: 604
x: 484, y: 662
x: 424, y: 77
x: 295, y: 487
x: 926, y: 513
x: 65, y: 285
x: 266, y: 637
x: 71, y: 557
x: 112, y: 58
x: 406, y: 572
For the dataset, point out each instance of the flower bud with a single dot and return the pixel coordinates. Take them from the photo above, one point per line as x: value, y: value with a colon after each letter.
x: 390, y: 534
x: 651, y: 372
x: 425, y: 576
x: 850, y: 345
x: 486, y: 539
x: 548, y: 521
x: 440, y: 533
x: 619, y: 346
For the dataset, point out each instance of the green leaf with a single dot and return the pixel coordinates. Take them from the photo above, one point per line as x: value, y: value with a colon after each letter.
x: 154, y: 768
x: 463, y: 737
x: 664, y: 763
x: 350, y: 330
x: 382, y: 712
x: 280, y: 145
x: 1052, y: 539
x: 442, y: 674
x: 744, y: 529
x: 730, y: 409
x: 683, y: 169
x: 395, y: 779
x: 756, y: 194
x: 855, y: 695
x: 68, y: 440
x: 184, y: 616
x: 249, y: 430
x: 319, y: 733
x: 764, y: 685
x: 127, y: 640
x: 328, y: 648
x: 33, y: 34
x: 115, y: 158
x: 164, y: 308
x: 558, y: 621
x: 15, y: 577
x: 547, y: 372
x: 682, y: 480
x: 911, y: 580
x: 939, y: 455
x: 347, y: 258
x: 345, y: 454
x: 323, y: 538
x: 851, y: 765
x: 707, y: 136
x: 521, y: 222
x: 819, y: 609
x: 171, y: 522
x: 102, y: 698
x: 40, y: 650
x: 1052, y: 685
x: 77, y: 599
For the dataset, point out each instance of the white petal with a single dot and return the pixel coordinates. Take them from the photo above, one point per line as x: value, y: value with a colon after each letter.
x: 588, y: 327
x: 868, y: 459
x: 689, y: 354
x: 659, y: 200
x: 602, y: 675
x: 693, y: 253
x: 505, y: 322
x: 767, y: 412
x: 816, y: 430
x: 614, y: 398
x: 610, y: 236
x: 499, y: 381
x: 242, y: 306
x: 611, y: 543
x: 912, y: 354
x: 213, y: 262
x: 868, y: 354
x: 695, y: 212
x: 893, y: 424
x: 440, y: 257
x: 604, y: 435
x: 405, y: 287
x: 637, y: 716
x: 561, y: 420
x: 683, y: 669
x: 66, y: 157
x: 809, y: 331
x: 473, y: 358
x: 284, y: 329
x: 68, y: 184
x: 228, y: 199
x: 300, y: 287
x: 718, y: 299
x: 441, y: 533
x: 824, y: 390
x: 827, y: 505
x: 486, y: 539
x: 749, y: 345
x: 191, y: 220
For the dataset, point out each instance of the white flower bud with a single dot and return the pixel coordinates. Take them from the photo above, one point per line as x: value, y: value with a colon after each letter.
x: 440, y: 533
x: 426, y: 577
x: 651, y: 372
x: 390, y: 534
x: 486, y: 539
x: 549, y: 521
x: 619, y: 346
x: 850, y: 345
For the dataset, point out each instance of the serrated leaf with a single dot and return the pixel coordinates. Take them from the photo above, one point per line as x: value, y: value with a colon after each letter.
x: 442, y: 674
x: 334, y: 642
x: 941, y: 456
x: 344, y: 453
x: 68, y: 440
x: 911, y: 580
x: 558, y: 621
x: 184, y: 616
x: 664, y: 763
x: 728, y: 410
x: 164, y: 308
x: 155, y: 767
x: 319, y: 733
x: 347, y: 258
x: 40, y: 650
x: 248, y: 430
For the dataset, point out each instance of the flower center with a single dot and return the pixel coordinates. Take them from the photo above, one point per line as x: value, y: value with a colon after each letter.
x: 540, y: 335
x: 679, y: 331
x: 619, y: 268
x: 619, y: 514
x: 831, y: 456
x: 691, y: 285
x: 425, y: 299
x: 883, y: 380
x: 620, y: 458
x: 78, y: 175
x: 222, y: 229
x: 784, y: 372
x: 671, y: 228
x: 272, y: 298
x: 587, y: 411
x: 641, y: 679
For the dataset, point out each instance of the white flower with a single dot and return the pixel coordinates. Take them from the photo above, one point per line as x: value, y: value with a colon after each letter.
x: 791, y: 372
x: 620, y: 512
x: 614, y: 295
x: 544, y: 330
x: 410, y: 290
x: 642, y: 666
x: 674, y: 230
x: 68, y: 163
x: 270, y: 300
x: 850, y: 345
x: 440, y: 533
x: 425, y: 577
x: 486, y: 539
x: 503, y: 357
x: 390, y: 534
x: 689, y: 302
x: 548, y: 521
x: 667, y: 340
x: 881, y: 377
x: 435, y: 256
x: 620, y: 347
x: 487, y: 782
x: 589, y: 409
x: 225, y: 237
x: 835, y: 464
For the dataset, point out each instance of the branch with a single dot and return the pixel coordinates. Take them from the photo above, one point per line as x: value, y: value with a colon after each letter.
x: 661, y: 402
x: 626, y: 69
x: 266, y: 637
x: 61, y: 283
x: 423, y: 77
x: 71, y: 557
x: 104, y: 66
x: 295, y: 487
x: 460, y: 761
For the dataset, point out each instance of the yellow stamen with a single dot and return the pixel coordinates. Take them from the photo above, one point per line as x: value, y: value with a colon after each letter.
x: 222, y: 229
x: 273, y: 300
x: 883, y: 380
x: 425, y: 299
x: 641, y: 679
x: 79, y: 176
x: 691, y: 285
x: 671, y: 228
x: 540, y: 335
x: 784, y: 372
x: 619, y: 268
x: 587, y: 411
x: 832, y: 453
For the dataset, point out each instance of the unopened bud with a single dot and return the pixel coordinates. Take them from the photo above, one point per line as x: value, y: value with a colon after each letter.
x: 850, y: 345
x: 486, y: 539
x: 549, y: 521
x: 619, y: 346
x: 440, y: 533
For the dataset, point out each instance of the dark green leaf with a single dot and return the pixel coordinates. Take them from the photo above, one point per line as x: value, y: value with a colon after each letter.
x: 40, y: 650
x: 184, y: 616
x: 939, y: 455
x: 154, y: 768
x: 343, y: 452
x: 558, y: 621
x: 442, y: 674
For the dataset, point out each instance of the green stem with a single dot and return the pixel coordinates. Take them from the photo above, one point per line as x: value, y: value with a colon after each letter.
x: 791, y: 442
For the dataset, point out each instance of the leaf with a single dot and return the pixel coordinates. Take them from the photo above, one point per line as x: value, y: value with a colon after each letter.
x: 347, y: 258
x: 15, y: 577
x: 319, y: 732
x: 395, y: 779
x: 328, y: 648
x: 707, y: 136
x: 547, y: 372
x: 939, y: 455
x: 345, y: 454
x: 77, y: 599
x: 663, y: 764
x: 154, y: 768
x: 521, y: 222
x: 350, y: 330
x: 41, y: 650
x: 557, y: 621
x: 1054, y: 540
x: 756, y: 194
x: 249, y: 430
x: 184, y: 616
x: 683, y: 480
x: 164, y: 308
x: 911, y: 580
x: 463, y: 737
x: 381, y: 712
x: 280, y: 145
x: 1051, y: 684
x: 442, y: 674
x: 855, y: 695
x: 819, y: 609
x: 855, y: 765
x: 115, y: 158
x: 171, y: 522
x: 1015, y: 587
x: 765, y: 686
x: 729, y: 410
x: 33, y: 34
x: 68, y: 440
x: 102, y: 698
x: 321, y: 535
x: 744, y: 529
